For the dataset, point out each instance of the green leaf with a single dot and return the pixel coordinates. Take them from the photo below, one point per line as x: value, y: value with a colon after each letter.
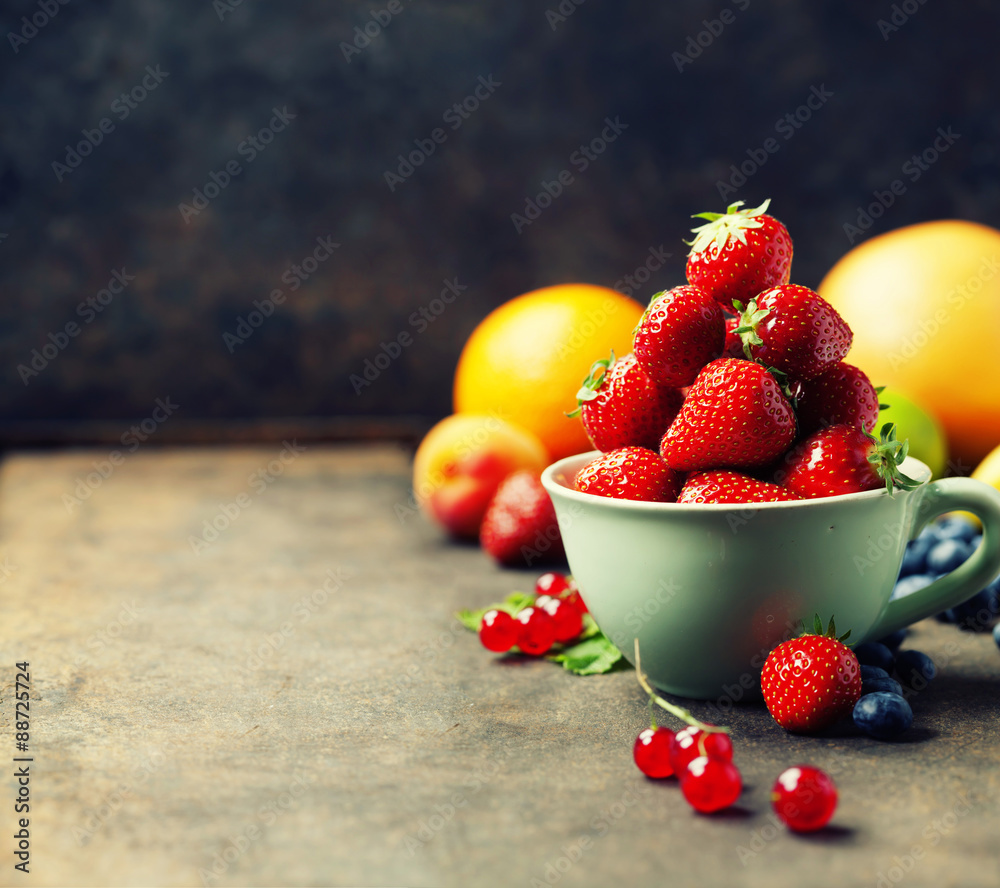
x: 593, y: 656
x: 513, y: 603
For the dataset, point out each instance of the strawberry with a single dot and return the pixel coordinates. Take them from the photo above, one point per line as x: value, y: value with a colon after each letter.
x: 845, y: 459
x: 734, y: 415
x: 842, y: 394
x: 680, y: 332
x: 733, y: 347
x: 620, y: 405
x: 795, y: 330
x: 812, y: 681
x: 520, y: 526
x: 738, y: 253
x: 722, y: 486
x: 632, y: 473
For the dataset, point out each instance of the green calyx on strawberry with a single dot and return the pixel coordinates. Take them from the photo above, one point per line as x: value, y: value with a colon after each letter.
x: 812, y: 681
x: 887, y: 456
x: 588, y: 390
x: 720, y: 227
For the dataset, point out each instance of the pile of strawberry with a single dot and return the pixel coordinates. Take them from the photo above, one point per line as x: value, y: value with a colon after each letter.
x: 736, y: 388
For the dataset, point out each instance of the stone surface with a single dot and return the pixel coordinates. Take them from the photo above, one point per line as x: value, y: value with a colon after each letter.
x: 296, y: 697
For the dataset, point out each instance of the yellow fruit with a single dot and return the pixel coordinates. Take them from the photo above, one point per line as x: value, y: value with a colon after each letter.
x: 988, y: 471
x: 460, y: 463
x: 916, y: 425
x: 922, y: 302
x: 526, y: 360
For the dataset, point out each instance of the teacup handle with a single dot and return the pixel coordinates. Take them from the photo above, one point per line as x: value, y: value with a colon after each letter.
x: 951, y: 590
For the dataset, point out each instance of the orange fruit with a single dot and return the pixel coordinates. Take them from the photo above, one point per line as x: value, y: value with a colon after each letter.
x: 922, y: 302
x: 526, y: 360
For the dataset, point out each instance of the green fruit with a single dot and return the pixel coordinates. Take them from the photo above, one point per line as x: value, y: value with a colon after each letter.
x: 927, y: 439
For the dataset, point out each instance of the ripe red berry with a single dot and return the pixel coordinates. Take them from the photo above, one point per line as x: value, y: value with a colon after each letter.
x: 572, y: 595
x: 804, y: 798
x: 711, y: 784
x: 652, y: 752
x: 498, y: 631
x: 536, y: 632
x: 691, y: 742
x: 567, y: 618
x: 551, y: 583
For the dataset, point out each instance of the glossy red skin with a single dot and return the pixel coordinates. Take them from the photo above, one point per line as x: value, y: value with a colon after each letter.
x: 498, y: 631
x: 711, y: 784
x: 804, y: 798
x: 681, y: 331
x: 722, y: 486
x: 741, y: 271
x: 734, y: 416
x: 842, y: 394
x: 831, y: 462
x: 630, y: 409
x: 810, y: 683
x: 536, y: 631
x: 651, y: 752
x: 633, y: 473
x: 690, y: 742
x: 520, y: 526
x: 803, y: 334
x: 733, y: 347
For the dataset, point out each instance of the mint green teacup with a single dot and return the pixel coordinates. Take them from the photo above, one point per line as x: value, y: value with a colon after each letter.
x: 709, y: 590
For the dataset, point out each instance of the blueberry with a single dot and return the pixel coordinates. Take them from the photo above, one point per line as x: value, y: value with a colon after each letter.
x: 996, y: 634
x: 915, y: 669
x: 915, y: 556
x: 947, y: 555
x: 929, y: 533
x: 870, y: 672
x: 887, y: 685
x: 978, y: 612
x: 955, y: 529
x: 909, y: 585
x: 894, y: 640
x: 947, y: 616
x: 871, y: 653
x: 883, y: 715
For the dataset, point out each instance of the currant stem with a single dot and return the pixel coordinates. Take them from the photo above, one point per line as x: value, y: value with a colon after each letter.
x: 672, y: 708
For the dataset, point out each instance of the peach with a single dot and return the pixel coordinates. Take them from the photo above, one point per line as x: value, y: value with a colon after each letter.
x: 460, y: 463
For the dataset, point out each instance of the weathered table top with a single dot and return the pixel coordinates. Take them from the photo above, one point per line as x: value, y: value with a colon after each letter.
x: 290, y: 702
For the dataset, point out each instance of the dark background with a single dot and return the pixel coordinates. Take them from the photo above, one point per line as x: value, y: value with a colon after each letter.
x: 324, y: 175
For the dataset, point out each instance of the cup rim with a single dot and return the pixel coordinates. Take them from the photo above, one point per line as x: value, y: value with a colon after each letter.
x: 911, y: 466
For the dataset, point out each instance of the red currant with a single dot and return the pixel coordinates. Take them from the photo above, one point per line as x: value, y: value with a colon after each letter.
x: 498, y: 631
x: 536, y: 631
x: 652, y: 752
x: 568, y: 620
x: 573, y: 597
x: 551, y: 583
x: 804, y: 798
x: 691, y: 742
x: 710, y: 784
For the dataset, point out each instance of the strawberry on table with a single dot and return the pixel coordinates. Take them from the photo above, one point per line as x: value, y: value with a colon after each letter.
x: 735, y: 415
x: 845, y: 459
x: 794, y: 330
x: 812, y: 681
x: 679, y: 333
x: 620, y: 405
x: 739, y: 253
x: 633, y: 473
x: 722, y: 486
x: 520, y: 526
x: 842, y: 394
